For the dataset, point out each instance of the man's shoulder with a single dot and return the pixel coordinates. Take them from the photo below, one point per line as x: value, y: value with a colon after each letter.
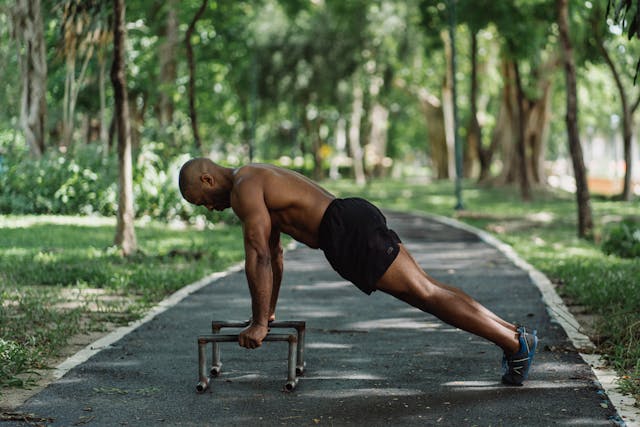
x: 255, y: 170
x: 250, y: 181
x: 245, y: 174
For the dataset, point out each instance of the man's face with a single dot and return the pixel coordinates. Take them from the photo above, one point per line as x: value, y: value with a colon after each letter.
x: 204, y: 193
x: 195, y: 195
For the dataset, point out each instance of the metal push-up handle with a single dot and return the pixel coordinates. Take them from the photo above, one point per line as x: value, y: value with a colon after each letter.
x: 204, y: 379
x: 298, y: 325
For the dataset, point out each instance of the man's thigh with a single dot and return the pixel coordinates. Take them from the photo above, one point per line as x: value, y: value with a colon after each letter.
x: 405, y: 280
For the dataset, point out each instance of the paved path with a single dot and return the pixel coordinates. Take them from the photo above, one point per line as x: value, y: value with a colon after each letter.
x: 371, y: 361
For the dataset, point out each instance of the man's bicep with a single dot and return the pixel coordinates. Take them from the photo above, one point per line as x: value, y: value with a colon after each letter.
x: 256, y: 222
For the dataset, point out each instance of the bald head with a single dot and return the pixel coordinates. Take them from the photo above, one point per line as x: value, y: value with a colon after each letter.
x: 191, y: 172
x: 205, y: 183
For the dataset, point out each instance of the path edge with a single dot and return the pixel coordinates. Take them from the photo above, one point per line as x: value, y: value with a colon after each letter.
x: 559, y: 313
x: 104, y: 342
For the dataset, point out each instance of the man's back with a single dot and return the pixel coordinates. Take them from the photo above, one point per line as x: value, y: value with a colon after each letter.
x: 295, y: 204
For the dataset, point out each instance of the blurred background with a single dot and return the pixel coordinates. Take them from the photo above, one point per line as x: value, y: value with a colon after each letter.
x: 335, y: 89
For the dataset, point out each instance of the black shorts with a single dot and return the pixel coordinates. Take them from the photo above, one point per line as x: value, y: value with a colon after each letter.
x: 356, y: 241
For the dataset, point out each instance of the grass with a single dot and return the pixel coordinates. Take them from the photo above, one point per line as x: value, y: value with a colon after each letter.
x: 60, y: 275
x: 544, y: 233
x: 59, y: 278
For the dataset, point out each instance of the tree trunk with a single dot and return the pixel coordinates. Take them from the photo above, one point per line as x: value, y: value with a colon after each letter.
x: 354, y: 135
x: 341, y: 144
x: 537, y: 132
x: 192, y: 74
x: 585, y: 220
x: 137, y: 111
x: 525, y: 183
x: 376, y: 150
x: 72, y: 51
x: 535, y: 121
x: 627, y: 123
x: 312, y: 127
x: 125, y: 234
x: 474, y: 131
x: 447, y: 106
x: 28, y: 31
x: 506, y: 129
x: 168, y: 65
x: 104, y: 127
x: 434, y: 118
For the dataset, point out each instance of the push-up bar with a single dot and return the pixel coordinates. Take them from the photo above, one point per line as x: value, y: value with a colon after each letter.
x: 296, y: 364
x: 298, y: 325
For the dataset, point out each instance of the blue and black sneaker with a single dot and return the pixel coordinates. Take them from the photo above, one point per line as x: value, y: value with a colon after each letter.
x: 516, y: 367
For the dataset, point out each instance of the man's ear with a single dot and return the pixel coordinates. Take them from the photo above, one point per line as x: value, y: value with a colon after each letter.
x: 207, y: 179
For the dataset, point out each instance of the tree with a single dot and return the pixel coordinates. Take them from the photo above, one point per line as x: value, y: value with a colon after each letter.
x: 528, y: 66
x: 192, y: 74
x: 78, y: 43
x: 28, y: 32
x: 168, y: 64
x: 597, y: 40
x: 125, y: 233
x: 585, y: 221
x: 477, y: 16
x: 628, y: 15
x: 439, y: 111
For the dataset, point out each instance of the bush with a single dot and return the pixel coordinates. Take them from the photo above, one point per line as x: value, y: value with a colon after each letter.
x: 622, y: 239
x: 84, y: 181
x: 14, y: 359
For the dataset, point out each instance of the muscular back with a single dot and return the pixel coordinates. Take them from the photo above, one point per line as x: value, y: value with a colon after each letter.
x: 294, y: 204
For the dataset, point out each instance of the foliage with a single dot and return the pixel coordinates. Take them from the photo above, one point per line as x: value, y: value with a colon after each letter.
x: 30, y: 332
x: 626, y: 13
x: 14, y: 359
x: 55, y: 183
x: 622, y: 239
x: 84, y: 181
x: 264, y: 67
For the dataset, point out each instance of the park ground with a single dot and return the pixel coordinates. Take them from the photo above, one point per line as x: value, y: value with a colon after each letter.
x: 77, y: 267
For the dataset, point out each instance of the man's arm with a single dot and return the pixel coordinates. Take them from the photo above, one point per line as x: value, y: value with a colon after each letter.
x: 277, y: 269
x: 248, y: 204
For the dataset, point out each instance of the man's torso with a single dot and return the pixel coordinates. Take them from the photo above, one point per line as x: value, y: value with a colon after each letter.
x: 296, y: 204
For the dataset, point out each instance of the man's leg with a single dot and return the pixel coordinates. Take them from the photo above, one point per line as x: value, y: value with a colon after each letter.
x: 406, y: 281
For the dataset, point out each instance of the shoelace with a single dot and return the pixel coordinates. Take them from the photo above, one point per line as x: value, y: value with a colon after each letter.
x: 518, y: 368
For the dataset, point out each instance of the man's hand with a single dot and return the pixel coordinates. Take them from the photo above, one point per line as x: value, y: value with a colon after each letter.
x: 252, y: 336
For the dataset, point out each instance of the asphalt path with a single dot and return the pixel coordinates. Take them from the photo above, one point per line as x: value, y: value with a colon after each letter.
x: 371, y: 360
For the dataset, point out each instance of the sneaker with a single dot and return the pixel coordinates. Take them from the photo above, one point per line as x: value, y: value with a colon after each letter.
x: 516, y: 367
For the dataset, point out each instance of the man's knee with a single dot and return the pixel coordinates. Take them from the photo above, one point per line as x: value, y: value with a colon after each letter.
x: 413, y: 288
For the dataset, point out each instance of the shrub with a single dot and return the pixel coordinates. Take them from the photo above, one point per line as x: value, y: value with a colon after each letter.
x: 14, y: 359
x: 622, y: 239
x: 84, y: 181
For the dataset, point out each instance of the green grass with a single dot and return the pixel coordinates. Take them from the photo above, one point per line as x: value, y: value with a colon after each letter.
x: 544, y: 233
x: 58, y: 278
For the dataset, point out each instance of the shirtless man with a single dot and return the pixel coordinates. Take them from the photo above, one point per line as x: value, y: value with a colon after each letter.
x: 355, y: 239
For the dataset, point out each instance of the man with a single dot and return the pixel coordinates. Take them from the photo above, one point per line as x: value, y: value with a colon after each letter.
x: 355, y: 239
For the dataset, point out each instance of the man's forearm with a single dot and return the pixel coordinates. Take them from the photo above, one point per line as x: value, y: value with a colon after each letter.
x: 260, y: 280
x: 276, y: 267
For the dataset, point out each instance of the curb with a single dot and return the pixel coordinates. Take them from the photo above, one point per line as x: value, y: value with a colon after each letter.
x: 558, y: 311
x: 115, y: 335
